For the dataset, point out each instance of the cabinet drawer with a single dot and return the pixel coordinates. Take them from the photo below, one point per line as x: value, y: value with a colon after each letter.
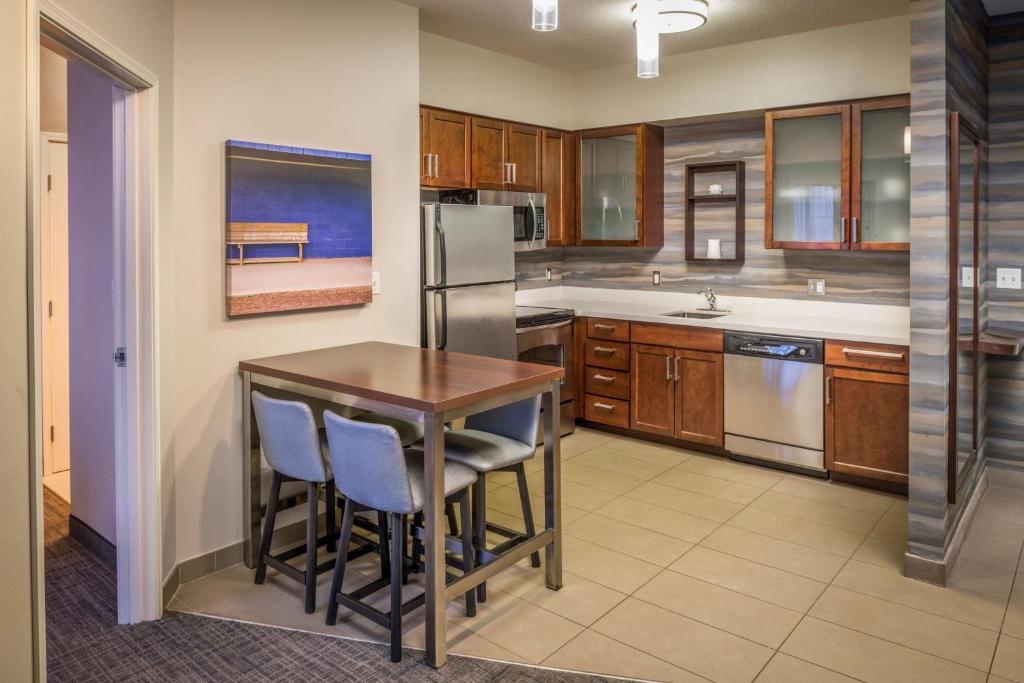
x: 606, y: 354
x: 603, y: 328
x: 609, y: 411
x: 605, y: 382
x: 678, y: 336
x: 883, y: 357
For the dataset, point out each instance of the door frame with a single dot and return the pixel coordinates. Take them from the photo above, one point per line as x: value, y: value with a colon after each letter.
x: 137, y: 460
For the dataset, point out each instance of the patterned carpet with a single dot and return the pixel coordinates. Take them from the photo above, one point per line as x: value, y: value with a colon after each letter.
x: 84, y: 642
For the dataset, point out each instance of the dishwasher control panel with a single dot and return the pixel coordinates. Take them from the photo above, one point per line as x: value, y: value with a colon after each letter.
x: 798, y: 349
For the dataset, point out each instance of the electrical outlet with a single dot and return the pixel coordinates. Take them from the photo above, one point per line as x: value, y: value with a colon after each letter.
x: 1007, y: 278
x: 656, y: 278
x: 816, y: 287
x: 376, y: 282
x: 967, y: 276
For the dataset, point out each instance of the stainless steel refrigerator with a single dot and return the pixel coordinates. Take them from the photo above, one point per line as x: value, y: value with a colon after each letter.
x: 468, y: 268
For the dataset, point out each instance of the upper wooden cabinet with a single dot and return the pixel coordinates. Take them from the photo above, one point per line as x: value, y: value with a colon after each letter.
x: 445, y: 148
x: 838, y: 176
x: 558, y: 183
x: 523, y: 155
x: 621, y: 187
x: 505, y: 156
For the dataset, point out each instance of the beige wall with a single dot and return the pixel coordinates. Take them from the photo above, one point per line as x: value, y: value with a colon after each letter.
x: 351, y: 83
x: 468, y: 78
x: 53, y: 95
x: 856, y: 60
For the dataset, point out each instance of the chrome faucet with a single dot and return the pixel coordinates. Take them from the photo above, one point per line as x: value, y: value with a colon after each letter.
x: 709, y: 294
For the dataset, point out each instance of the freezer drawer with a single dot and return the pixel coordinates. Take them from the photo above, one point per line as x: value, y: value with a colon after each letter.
x: 479, y: 319
x: 466, y: 245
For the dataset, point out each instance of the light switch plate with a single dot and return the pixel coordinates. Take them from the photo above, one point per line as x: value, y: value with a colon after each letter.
x: 376, y: 282
x: 1007, y: 278
x: 966, y: 276
x: 816, y: 287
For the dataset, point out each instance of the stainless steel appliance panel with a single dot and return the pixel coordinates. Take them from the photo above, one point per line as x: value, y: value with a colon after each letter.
x: 464, y: 245
x: 530, y: 224
x: 478, y: 319
x: 552, y: 344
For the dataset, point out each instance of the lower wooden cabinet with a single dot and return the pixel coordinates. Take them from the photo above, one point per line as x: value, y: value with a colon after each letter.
x: 867, y: 431
x: 654, y: 390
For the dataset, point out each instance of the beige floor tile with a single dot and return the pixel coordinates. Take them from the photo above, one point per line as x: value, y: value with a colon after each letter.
x: 653, y: 453
x: 722, y: 468
x: 1009, y: 659
x: 797, y: 559
x: 581, y: 496
x: 722, y: 608
x: 659, y: 519
x: 953, y: 640
x: 594, y: 653
x: 1013, y: 625
x: 816, y: 511
x: 715, y: 509
x: 1017, y: 594
x: 588, y: 475
x: 634, y: 541
x: 882, y: 552
x: 969, y: 607
x: 998, y: 529
x: 681, y: 478
x: 871, y: 659
x: 750, y: 578
x: 991, y: 551
x: 579, y: 599
x: 1002, y: 503
x: 992, y: 678
x: 981, y: 578
x: 893, y: 525
x: 798, y: 531
x: 462, y: 641
x: 787, y: 669
x: 177, y: 605
x: 621, y: 463
x: 689, y: 644
x: 506, y: 500
x: 835, y: 494
x: 604, y: 566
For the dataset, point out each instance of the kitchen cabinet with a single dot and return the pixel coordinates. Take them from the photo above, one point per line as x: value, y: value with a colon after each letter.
x: 654, y: 389
x: 621, y: 187
x: 505, y: 156
x: 445, y: 148
x: 605, y: 369
x: 838, y: 176
x: 700, y: 397
x: 490, y: 171
x: 558, y: 183
x: 523, y: 156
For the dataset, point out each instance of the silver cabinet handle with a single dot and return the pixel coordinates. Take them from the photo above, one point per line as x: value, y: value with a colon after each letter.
x: 603, y: 349
x: 842, y: 229
x: 874, y: 354
x: 437, y: 165
x: 604, y: 326
x: 677, y: 368
x: 668, y: 368
x: 514, y: 172
x: 604, y: 406
x: 856, y: 230
x: 604, y: 378
x: 828, y: 390
x: 426, y: 158
x: 507, y: 177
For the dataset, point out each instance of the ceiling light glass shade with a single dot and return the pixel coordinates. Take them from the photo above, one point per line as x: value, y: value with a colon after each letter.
x: 676, y: 16
x: 545, y: 15
x: 647, y: 39
x: 906, y: 140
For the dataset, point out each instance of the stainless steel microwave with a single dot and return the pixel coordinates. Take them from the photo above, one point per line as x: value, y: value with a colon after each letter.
x: 530, y: 224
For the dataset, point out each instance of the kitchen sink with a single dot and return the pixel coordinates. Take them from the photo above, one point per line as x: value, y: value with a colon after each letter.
x: 696, y: 315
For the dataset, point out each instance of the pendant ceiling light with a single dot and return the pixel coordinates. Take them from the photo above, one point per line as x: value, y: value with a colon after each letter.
x: 647, y: 39
x: 676, y: 16
x: 545, y: 15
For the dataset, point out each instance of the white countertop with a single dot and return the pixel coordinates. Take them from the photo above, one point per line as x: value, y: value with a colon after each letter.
x: 817, y: 319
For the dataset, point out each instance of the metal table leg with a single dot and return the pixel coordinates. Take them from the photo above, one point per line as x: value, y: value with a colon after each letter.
x: 251, y: 493
x: 433, y: 465
x: 551, y: 404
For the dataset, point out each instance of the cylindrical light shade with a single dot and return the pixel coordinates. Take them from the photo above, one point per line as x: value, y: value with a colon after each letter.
x: 545, y: 15
x: 647, y: 39
x: 906, y: 140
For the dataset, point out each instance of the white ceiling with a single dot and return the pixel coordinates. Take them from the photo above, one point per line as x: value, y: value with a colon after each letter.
x: 994, y: 7
x: 597, y: 33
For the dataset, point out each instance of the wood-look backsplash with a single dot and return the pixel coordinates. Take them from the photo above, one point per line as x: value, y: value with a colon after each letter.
x: 879, y: 278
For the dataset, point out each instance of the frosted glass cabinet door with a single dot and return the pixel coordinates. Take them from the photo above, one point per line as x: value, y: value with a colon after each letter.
x: 881, y: 175
x: 608, y: 201
x: 807, y: 155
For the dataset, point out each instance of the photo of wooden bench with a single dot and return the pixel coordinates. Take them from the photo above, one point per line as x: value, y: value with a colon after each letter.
x: 241, y: 234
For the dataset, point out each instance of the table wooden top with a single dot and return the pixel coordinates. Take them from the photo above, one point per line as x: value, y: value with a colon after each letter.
x: 422, y: 379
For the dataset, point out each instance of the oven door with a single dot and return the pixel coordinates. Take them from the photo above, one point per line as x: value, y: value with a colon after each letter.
x: 552, y: 345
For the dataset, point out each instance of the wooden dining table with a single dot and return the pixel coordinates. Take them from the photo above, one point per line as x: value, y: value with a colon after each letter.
x: 433, y: 387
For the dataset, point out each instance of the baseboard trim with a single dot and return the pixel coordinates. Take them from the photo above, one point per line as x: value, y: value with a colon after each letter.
x: 93, y: 541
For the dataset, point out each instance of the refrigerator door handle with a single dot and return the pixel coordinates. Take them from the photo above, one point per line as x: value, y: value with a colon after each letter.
x: 443, y: 340
x: 442, y: 253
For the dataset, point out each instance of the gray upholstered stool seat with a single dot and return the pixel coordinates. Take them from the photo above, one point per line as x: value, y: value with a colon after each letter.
x: 484, y: 451
x: 409, y: 432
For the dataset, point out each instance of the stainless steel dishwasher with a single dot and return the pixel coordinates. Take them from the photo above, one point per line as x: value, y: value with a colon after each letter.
x: 774, y: 401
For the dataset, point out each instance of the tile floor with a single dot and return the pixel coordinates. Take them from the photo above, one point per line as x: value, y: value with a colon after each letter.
x: 686, y: 567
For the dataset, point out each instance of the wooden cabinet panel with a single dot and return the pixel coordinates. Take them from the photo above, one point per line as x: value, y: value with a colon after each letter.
x: 606, y: 328
x: 699, y: 397
x: 605, y: 382
x: 652, y: 404
x: 558, y: 183
x: 447, y: 139
x: 679, y: 336
x: 606, y: 354
x: 867, y: 430
x: 880, y: 220
x: 881, y: 357
x: 489, y: 167
x: 522, y: 150
x: 609, y: 411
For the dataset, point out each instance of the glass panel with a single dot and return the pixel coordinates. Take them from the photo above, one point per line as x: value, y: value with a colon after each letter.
x: 609, y: 188
x: 807, y: 179
x: 885, y: 176
x: 966, y: 273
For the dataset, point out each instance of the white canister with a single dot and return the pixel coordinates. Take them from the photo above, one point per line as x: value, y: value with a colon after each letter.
x: 714, y: 249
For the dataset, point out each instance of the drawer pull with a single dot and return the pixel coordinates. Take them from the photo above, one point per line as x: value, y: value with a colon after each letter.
x: 604, y: 406
x: 604, y: 378
x: 873, y: 354
x: 603, y: 349
x: 603, y: 326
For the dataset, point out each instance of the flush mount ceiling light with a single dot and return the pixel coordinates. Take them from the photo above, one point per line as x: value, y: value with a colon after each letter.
x: 676, y: 16
x: 545, y: 15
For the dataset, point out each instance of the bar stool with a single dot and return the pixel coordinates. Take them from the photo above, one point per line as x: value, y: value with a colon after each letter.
x: 498, y: 440
x: 296, y: 451
x: 374, y: 472
x: 409, y: 432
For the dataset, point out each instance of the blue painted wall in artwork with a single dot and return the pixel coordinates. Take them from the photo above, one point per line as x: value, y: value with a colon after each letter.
x: 328, y: 190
